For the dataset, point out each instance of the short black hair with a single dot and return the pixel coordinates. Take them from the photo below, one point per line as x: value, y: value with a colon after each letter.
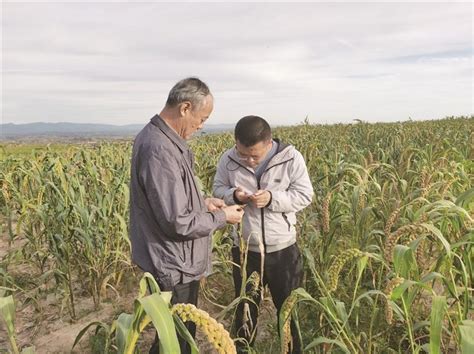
x: 251, y: 130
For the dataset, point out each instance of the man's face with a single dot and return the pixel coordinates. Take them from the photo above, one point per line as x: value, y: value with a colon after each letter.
x: 252, y: 155
x: 195, y: 116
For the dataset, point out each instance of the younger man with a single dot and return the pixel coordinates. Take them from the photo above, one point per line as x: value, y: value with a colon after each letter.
x: 272, y: 179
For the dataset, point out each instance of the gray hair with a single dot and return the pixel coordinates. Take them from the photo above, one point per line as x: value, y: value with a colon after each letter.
x: 190, y: 89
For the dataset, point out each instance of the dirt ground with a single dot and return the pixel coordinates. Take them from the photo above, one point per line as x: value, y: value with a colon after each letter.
x: 48, y: 327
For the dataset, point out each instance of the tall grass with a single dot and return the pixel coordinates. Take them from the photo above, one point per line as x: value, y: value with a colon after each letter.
x: 401, y: 194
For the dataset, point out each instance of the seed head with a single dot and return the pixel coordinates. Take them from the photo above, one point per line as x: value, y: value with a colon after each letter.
x: 339, y: 262
x: 392, y: 240
x: 391, y: 285
x: 285, y: 314
x: 215, y: 332
x: 391, y: 220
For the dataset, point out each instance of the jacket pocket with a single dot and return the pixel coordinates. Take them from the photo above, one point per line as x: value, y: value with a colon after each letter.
x: 285, y: 217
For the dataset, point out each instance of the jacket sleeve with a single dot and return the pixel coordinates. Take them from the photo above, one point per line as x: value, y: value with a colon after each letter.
x: 160, y: 176
x: 299, y: 193
x: 222, y: 187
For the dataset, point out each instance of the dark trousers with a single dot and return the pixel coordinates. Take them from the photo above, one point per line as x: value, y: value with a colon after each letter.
x: 283, y: 272
x: 182, y: 293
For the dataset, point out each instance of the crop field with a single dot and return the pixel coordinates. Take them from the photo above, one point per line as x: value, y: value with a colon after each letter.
x: 387, y: 245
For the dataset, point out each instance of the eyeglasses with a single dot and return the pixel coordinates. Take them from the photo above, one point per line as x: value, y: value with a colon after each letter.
x: 246, y: 158
x: 254, y: 154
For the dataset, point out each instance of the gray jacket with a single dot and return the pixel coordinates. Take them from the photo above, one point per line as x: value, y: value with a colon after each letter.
x: 170, y: 226
x: 286, y: 177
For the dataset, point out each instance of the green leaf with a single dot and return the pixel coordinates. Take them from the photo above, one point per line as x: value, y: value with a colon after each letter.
x: 430, y: 276
x: 361, y: 264
x: 399, y: 290
x: 301, y: 295
x: 160, y: 314
x: 148, y: 283
x: 465, y: 198
x: 367, y: 295
x: 184, y: 333
x: 84, y: 330
x: 321, y: 340
x: 467, y: 336
x: 341, y: 311
x: 435, y: 231
x: 7, y: 312
x: 438, y: 309
x: 123, y: 326
x: 403, y: 260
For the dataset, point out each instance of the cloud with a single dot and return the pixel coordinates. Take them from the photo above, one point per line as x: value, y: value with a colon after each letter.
x: 115, y: 62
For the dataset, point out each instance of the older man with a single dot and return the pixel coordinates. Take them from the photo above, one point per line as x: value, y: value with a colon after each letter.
x: 170, y: 221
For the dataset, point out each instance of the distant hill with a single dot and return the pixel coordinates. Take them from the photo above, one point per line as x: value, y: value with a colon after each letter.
x: 11, y: 131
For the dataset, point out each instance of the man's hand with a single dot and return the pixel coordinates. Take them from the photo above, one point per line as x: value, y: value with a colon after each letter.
x: 214, y: 204
x: 234, y: 213
x: 260, y: 198
x: 241, y: 195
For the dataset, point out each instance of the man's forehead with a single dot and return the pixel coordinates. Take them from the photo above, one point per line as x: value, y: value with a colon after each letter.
x: 208, y: 100
x: 208, y: 103
x: 259, y: 145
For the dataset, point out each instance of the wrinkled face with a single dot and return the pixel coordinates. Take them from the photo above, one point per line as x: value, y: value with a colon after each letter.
x: 194, y: 117
x: 252, y: 155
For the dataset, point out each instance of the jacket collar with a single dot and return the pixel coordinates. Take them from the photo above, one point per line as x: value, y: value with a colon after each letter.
x: 170, y: 133
x: 281, y: 154
x: 281, y: 146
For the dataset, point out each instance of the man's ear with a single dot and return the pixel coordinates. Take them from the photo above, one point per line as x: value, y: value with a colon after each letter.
x: 184, y: 108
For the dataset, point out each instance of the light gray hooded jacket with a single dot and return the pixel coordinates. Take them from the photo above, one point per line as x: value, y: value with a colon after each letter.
x: 286, y: 177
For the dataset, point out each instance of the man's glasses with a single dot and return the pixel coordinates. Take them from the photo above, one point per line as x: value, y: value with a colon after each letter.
x: 246, y: 158
x: 255, y: 154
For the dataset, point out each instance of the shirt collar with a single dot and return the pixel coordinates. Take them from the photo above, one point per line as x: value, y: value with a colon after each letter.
x: 170, y: 133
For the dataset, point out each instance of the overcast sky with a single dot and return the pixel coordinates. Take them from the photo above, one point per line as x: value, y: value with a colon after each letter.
x: 333, y: 62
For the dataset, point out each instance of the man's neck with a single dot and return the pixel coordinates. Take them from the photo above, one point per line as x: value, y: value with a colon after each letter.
x: 171, y: 120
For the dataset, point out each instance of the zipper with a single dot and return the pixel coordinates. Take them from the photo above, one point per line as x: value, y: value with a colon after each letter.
x: 262, y: 210
x: 262, y: 214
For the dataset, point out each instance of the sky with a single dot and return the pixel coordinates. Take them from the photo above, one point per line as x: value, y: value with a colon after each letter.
x: 115, y: 62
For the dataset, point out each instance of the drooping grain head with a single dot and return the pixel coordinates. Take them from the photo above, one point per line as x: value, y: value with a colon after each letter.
x: 392, y: 240
x: 215, y: 332
x: 391, y: 285
x: 339, y: 262
x: 285, y: 315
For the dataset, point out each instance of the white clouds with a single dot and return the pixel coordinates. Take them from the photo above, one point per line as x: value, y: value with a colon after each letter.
x: 115, y: 62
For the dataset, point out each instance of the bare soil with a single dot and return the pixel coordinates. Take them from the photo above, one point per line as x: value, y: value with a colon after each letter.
x: 46, y: 324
